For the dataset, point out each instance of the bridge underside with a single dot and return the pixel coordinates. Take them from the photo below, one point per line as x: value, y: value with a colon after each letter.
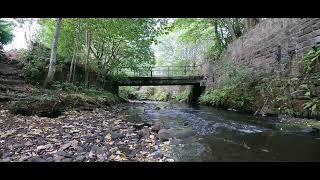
x: 195, y: 81
x: 161, y: 81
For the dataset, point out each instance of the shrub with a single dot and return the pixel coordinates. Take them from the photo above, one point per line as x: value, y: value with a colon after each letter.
x: 235, y: 90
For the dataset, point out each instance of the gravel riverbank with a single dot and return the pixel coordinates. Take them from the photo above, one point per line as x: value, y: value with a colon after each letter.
x: 86, y: 136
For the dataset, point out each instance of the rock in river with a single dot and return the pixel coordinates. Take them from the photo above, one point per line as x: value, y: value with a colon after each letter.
x: 164, y: 135
x: 144, y: 132
x: 156, y: 127
x: 157, y: 154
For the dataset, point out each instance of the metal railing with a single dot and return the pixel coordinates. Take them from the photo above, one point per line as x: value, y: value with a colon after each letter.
x: 160, y: 71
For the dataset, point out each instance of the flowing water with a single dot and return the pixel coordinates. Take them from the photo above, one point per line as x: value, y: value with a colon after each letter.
x: 210, y: 134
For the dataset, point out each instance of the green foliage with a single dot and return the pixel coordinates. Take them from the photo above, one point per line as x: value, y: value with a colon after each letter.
x: 183, y: 97
x: 6, y: 35
x: 33, y: 65
x: 65, y: 86
x: 215, y: 97
x: 313, y: 105
x: 212, y: 32
x: 160, y: 95
x: 130, y: 92
x: 115, y: 41
x: 311, y: 58
x: 237, y: 89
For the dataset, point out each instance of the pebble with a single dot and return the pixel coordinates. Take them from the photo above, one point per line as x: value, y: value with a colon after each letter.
x: 8, y: 159
x: 66, y: 160
x: 23, y: 158
x: 80, y: 158
x: 36, y: 159
x: 49, y: 159
x: 63, y: 153
x: 84, y: 141
x: 6, y: 155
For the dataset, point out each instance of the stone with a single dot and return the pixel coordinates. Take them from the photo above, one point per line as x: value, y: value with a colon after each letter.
x: 24, y: 158
x: 143, y: 132
x: 170, y: 160
x: 66, y: 160
x: 308, y: 130
x: 49, y: 159
x: 80, y: 149
x: 63, y: 154
x: 36, y: 159
x: 8, y: 159
x: 6, y: 155
x: 175, y: 141
x: 74, y: 143
x: 41, y: 148
x: 67, y: 136
x: 113, y: 150
x: 100, y: 157
x: 80, y: 158
x: 65, y: 146
x: 115, y: 135
x: 57, y: 158
x: 157, y: 154
x: 156, y: 127
x: 164, y: 135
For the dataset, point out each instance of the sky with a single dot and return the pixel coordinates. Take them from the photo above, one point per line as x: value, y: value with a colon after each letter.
x: 19, y: 40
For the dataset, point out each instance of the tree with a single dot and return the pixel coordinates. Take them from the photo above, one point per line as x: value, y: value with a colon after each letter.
x: 53, y: 55
x: 250, y: 23
x: 88, y: 44
x: 230, y: 28
x: 6, y: 35
x: 75, y: 54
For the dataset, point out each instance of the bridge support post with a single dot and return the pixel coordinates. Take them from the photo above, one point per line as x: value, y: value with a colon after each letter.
x: 196, y: 92
x: 115, y: 89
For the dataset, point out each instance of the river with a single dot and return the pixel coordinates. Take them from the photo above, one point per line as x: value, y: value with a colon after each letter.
x: 210, y: 134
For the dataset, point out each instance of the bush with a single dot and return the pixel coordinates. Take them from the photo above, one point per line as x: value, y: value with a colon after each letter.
x: 161, y: 95
x: 64, y: 86
x: 236, y: 89
x: 130, y: 92
x: 311, y: 58
x: 183, y: 97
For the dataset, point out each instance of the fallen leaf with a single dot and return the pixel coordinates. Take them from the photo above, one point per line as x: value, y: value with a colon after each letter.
x: 264, y: 150
x: 108, y: 137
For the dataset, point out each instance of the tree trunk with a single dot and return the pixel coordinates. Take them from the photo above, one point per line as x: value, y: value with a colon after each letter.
x: 53, y: 56
x: 230, y: 28
x: 250, y: 23
x: 75, y: 55
x: 88, y: 42
x: 72, y: 62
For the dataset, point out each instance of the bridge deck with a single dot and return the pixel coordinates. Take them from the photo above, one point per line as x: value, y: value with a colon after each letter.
x: 156, y: 81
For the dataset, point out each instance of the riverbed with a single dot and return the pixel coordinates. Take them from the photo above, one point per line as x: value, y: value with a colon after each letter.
x: 152, y: 131
x: 210, y: 134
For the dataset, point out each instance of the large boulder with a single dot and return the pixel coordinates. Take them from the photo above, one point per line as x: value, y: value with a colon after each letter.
x: 144, y: 132
x: 156, y: 127
x: 164, y: 135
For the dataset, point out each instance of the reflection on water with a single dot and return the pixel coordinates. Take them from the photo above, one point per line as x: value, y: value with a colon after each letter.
x: 210, y: 134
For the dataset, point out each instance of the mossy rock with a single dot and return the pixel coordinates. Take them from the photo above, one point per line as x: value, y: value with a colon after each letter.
x: 49, y: 107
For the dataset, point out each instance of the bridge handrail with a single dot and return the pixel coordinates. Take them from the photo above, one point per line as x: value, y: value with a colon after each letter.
x: 156, y: 71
